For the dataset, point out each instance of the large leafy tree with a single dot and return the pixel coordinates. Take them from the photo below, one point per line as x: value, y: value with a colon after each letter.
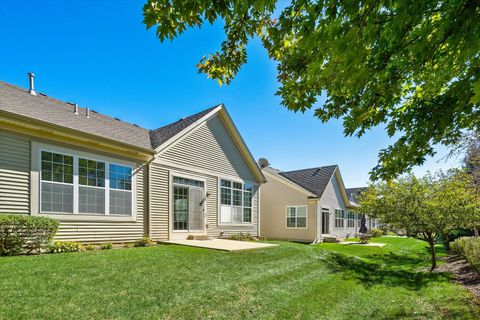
x: 413, y: 66
x: 426, y: 207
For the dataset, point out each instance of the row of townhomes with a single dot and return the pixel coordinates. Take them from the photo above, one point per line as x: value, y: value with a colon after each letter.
x: 107, y: 180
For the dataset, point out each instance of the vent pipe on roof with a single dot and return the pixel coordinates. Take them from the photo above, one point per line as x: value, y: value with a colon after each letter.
x: 75, y: 108
x: 87, y: 112
x: 31, y: 77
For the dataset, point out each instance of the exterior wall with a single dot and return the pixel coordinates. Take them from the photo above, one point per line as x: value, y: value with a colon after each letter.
x: 18, y: 171
x: 14, y: 173
x: 276, y: 196
x: 209, y: 153
x: 332, y: 199
x: 210, y: 147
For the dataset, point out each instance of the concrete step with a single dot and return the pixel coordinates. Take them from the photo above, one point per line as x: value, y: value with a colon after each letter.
x: 198, y: 237
x: 331, y: 239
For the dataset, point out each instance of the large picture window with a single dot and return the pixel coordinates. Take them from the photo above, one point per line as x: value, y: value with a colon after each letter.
x: 339, y: 218
x: 235, y: 202
x: 296, y: 216
x: 71, y: 184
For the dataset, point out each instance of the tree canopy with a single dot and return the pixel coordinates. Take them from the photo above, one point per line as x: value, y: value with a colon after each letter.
x: 426, y: 208
x: 412, y: 66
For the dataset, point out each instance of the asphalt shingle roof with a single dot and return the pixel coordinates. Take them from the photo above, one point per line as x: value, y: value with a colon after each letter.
x: 314, y: 180
x: 19, y: 101
x: 162, y: 134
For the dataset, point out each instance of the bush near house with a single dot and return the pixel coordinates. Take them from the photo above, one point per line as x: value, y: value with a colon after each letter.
x: 375, y: 232
x: 241, y: 237
x: 143, y: 242
x: 468, y: 248
x: 106, y: 246
x: 65, y: 246
x: 22, y: 234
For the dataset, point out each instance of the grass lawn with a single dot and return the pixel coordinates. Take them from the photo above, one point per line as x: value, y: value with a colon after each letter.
x: 326, y: 281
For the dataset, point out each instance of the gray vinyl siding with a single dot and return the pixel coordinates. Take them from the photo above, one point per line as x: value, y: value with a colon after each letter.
x: 159, y: 202
x: 331, y: 199
x: 14, y: 173
x: 210, y: 147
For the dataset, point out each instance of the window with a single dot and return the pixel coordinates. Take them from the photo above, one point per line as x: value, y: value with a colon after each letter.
x: 296, y: 216
x: 120, y: 190
x: 236, y: 202
x: 56, y: 183
x: 351, y: 220
x: 339, y: 218
x: 77, y: 185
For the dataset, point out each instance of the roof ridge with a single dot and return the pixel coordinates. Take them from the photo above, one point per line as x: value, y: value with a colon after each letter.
x: 186, y: 118
x: 322, y: 167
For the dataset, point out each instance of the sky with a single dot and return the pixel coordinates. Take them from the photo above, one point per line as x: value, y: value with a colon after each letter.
x: 100, y: 55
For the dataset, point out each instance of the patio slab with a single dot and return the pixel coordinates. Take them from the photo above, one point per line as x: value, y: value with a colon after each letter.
x: 222, y: 244
x: 372, y: 244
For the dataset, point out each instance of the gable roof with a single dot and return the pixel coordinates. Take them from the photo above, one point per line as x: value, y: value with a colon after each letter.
x: 353, y: 193
x: 163, y: 134
x: 18, y: 101
x: 314, y: 180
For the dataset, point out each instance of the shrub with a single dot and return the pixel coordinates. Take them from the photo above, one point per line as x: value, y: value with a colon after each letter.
x: 128, y: 245
x: 143, y: 242
x: 106, y: 246
x: 89, y: 247
x: 65, y: 246
x: 375, y: 232
x: 241, y: 236
x: 25, y: 234
x: 469, y: 249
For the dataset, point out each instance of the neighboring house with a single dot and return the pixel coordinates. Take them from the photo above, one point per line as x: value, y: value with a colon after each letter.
x: 106, y: 180
x: 353, y: 194
x: 306, y: 205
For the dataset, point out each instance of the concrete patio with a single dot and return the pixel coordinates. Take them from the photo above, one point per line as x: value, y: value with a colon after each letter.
x: 222, y: 244
x: 370, y: 244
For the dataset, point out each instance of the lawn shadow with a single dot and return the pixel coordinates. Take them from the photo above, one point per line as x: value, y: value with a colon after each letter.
x: 390, y: 269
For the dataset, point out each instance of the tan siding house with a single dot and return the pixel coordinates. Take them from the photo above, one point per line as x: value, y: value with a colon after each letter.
x: 306, y: 205
x: 106, y: 180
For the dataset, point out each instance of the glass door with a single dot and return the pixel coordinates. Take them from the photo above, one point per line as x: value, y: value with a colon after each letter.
x: 188, y: 205
x: 325, y: 221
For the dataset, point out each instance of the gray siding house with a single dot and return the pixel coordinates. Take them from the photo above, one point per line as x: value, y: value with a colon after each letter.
x: 306, y: 205
x: 107, y: 180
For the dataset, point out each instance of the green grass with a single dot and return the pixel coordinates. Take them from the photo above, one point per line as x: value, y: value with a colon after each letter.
x: 291, y: 281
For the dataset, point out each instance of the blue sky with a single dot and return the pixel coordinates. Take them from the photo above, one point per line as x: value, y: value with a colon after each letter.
x: 98, y: 54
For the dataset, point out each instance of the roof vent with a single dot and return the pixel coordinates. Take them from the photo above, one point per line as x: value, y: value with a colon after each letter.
x: 87, y: 112
x: 118, y: 119
x: 263, y: 163
x: 75, y: 108
x: 31, y: 77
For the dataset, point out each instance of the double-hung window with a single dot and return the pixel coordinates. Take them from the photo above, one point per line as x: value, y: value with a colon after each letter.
x: 351, y: 220
x: 235, y: 202
x: 71, y: 184
x: 339, y: 218
x: 296, y: 216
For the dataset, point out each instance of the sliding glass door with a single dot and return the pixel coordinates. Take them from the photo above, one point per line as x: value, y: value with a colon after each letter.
x: 188, y: 205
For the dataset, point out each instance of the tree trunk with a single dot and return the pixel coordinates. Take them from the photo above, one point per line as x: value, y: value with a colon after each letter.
x: 431, y: 243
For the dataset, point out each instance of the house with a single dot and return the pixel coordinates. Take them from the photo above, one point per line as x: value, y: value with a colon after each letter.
x: 353, y: 194
x: 107, y: 180
x: 306, y: 205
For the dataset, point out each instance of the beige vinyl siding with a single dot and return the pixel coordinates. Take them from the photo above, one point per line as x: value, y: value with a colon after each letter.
x: 159, y: 202
x: 210, y: 147
x: 14, y: 173
x: 276, y: 196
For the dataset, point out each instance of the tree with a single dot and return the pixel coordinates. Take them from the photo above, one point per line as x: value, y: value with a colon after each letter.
x: 413, y: 66
x: 472, y: 166
x: 425, y: 208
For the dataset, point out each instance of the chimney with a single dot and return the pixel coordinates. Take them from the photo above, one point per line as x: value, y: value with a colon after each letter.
x: 87, y: 112
x: 31, y: 77
x: 75, y: 108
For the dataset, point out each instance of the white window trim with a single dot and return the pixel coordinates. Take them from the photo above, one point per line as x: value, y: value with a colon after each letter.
x: 297, y: 206
x: 35, y: 188
x: 343, y: 218
x: 170, y: 201
x: 219, y: 202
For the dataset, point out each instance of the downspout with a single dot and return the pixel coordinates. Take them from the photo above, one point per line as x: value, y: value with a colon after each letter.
x: 317, y: 239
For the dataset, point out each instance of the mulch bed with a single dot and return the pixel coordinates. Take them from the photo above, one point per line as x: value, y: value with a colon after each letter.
x: 463, y: 273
